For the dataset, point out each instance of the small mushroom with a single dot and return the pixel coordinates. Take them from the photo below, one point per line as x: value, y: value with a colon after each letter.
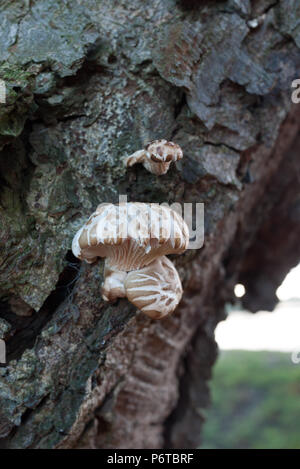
x: 156, y: 157
x: 155, y: 289
x: 132, y: 236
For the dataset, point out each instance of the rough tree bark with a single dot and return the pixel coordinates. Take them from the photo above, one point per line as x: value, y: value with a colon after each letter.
x: 89, y: 82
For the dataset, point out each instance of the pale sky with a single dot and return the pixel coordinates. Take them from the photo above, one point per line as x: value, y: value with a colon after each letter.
x: 279, y: 330
x: 290, y: 288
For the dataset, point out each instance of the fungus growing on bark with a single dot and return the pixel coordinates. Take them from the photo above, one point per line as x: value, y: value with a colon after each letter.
x: 155, y: 289
x: 156, y: 157
x: 132, y: 236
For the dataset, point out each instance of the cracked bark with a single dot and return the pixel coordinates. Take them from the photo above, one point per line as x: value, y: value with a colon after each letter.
x: 83, y: 373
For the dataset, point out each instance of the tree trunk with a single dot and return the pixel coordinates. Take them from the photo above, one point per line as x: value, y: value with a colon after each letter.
x: 87, y: 83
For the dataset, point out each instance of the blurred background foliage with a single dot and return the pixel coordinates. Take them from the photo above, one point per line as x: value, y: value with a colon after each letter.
x: 255, y: 402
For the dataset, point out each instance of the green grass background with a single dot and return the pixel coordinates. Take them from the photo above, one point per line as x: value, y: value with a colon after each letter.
x: 255, y: 402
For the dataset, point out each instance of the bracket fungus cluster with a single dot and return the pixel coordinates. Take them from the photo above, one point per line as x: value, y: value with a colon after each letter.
x: 134, y: 238
x: 156, y: 157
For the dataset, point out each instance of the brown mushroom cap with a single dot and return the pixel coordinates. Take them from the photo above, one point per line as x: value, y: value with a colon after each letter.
x: 155, y: 289
x: 163, y: 151
x: 131, y: 235
x: 156, y: 157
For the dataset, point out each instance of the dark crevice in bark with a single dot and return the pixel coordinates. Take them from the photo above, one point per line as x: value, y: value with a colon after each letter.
x: 4, y: 443
x: 180, y: 105
x: 25, y: 330
x: 274, y: 4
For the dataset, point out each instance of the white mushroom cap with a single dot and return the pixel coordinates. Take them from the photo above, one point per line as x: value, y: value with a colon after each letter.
x: 156, y: 157
x: 131, y: 235
x: 155, y: 289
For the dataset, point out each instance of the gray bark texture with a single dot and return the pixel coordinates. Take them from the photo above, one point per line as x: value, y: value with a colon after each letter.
x: 89, y: 82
